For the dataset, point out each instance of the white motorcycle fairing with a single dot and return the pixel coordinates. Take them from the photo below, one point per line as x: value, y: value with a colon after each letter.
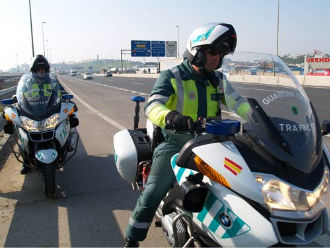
x: 227, y: 218
x: 227, y: 160
x: 23, y: 138
x: 12, y: 114
x: 62, y: 132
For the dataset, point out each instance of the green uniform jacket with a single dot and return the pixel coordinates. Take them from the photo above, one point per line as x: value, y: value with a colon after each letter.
x: 194, y: 96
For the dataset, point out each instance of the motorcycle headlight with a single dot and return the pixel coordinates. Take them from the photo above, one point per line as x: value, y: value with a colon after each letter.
x: 32, y: 125
x: 280, y: 195
x: 51, y: 122
x: 29, y: 124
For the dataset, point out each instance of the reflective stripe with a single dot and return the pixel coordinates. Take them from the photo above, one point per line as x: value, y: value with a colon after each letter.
x: 151, y: 106
x: 47, y: 89
x: 35, y: 90
x: 212, y: 104
x: 238, y: 103
x: 180, y: 92
x: 230, y: 91
x: 136, y: 224
x: 158, y: 97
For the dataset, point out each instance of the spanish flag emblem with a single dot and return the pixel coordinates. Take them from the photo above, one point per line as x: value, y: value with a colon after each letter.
x: 232, y: 166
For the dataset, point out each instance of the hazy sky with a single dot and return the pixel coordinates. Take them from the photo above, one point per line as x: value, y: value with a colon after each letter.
x: 81, y: 29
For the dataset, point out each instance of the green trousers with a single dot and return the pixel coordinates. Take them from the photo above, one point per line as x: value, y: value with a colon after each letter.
x: 160, y: 180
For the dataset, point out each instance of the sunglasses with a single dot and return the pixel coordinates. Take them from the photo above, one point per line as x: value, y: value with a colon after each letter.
x: 216, y: 52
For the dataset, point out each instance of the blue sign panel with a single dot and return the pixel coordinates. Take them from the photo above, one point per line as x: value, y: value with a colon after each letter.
x: 140, y: 48
x: 158, y: 48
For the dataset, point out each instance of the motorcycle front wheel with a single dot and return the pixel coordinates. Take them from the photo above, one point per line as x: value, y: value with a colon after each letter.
x: 49, y: 180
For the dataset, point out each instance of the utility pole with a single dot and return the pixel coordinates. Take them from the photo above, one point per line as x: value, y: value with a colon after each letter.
x: 278, y: 25
x: 178, y: 41
x: 43, y: 37
x: 31, y: 28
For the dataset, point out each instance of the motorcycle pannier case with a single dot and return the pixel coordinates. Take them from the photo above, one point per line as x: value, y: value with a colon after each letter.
x: 131, y: 148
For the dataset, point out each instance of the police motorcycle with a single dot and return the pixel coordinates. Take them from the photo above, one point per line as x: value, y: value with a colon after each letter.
x: 258, y: 181
x: 42, y: 120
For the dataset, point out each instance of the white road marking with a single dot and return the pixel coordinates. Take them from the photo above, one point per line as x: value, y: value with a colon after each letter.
x: 114, y: 87
x: 95, y: 111
x: 137, y: 83
x: 63, y: 227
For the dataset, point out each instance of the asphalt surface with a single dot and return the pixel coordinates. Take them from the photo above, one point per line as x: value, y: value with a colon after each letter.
x: 93, y: 203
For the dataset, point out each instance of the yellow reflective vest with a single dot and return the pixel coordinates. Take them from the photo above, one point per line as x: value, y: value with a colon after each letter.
x: 181, y: 89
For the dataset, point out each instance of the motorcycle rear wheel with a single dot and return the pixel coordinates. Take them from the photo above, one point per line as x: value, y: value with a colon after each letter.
x: 49, y: 180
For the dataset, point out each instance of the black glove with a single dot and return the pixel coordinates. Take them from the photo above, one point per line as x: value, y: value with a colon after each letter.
x: 177, y: 121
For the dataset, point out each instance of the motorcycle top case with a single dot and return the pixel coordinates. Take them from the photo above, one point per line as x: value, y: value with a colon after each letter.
x: 131, y: 147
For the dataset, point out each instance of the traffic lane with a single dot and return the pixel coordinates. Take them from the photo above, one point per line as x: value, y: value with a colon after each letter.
x: 111, y: 102
x: 320, y: 98
x: 144, y: 85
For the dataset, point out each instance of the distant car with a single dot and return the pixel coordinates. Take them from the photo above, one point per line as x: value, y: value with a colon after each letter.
x: 320, y: 72
x: 108, y: 74
x: 74, y: 74
x: 88, y: 75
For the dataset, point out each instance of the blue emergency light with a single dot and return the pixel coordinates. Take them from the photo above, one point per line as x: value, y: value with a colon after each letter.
x: 7, y: 101
x: 223, y: 127
x: 67, y: 97
x: 137, y: 99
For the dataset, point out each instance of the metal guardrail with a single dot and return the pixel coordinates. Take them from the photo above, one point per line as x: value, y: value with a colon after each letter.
x: 6, y: 91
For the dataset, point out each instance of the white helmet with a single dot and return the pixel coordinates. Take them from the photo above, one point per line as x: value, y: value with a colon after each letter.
x: 220, y: 37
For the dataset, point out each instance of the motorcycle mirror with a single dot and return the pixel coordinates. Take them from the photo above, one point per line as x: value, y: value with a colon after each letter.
x: 67, y: 97
x: 8, y: 128
x: 74, y: 122
x: 7, y: 101
x: 325, y: 127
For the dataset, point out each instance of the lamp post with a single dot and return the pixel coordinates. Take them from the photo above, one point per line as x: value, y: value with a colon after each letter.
x: 47, y: 48
x: 43, y: 38
x: 31, y: 29
x: 178, y: 27
x: 278, y: 25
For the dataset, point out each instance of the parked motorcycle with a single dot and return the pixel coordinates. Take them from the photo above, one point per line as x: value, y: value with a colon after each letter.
x: 42, y: 120
x: 262, y: 181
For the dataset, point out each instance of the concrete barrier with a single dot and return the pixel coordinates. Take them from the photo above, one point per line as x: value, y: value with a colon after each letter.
x: 317, y: 81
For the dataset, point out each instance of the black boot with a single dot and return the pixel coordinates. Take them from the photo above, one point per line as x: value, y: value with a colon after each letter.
x: 131, y: 243
x: 25, y: 169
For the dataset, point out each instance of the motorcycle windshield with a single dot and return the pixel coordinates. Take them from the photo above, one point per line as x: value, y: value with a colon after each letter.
x: 38, y: 94
x: 280, y: 117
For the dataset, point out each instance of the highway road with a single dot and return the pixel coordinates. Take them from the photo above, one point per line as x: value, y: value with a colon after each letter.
x: 93, y: 203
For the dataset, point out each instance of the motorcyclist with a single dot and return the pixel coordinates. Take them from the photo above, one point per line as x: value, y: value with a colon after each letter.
x: 182, y: 94
x: 39, y: 84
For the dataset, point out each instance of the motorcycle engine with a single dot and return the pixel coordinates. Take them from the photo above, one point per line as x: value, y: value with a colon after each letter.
x: 181, y: 226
